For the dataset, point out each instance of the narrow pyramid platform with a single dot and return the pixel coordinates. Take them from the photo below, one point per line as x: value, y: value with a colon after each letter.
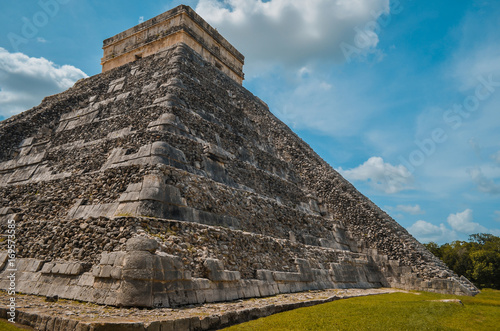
x: 163, y: 182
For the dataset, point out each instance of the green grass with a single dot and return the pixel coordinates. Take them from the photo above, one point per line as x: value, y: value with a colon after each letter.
x: 397, y: 311
x: 8, y: 326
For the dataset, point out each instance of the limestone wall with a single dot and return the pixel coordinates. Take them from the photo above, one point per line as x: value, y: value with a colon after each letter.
x: 180, y: 24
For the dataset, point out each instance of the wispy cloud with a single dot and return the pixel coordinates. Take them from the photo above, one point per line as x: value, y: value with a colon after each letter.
x: 496, y: 157
x: 25, y: 81
x: 483, y: 183
x: 409, y: 209
x: 317, y: 102
x: 380, y: 175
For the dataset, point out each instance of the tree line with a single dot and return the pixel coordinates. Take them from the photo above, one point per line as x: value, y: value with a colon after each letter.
x: 478, y: 259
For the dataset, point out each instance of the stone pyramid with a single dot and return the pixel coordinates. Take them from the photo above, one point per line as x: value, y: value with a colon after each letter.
x: 163, y: 182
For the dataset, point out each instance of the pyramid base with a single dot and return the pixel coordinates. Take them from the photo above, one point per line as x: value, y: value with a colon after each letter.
x: 144, y: 272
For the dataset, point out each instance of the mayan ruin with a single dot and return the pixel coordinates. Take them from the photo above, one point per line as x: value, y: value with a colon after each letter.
x: 163, y: 182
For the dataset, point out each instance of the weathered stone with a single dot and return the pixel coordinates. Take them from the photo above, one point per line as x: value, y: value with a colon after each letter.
x: 142, y: 244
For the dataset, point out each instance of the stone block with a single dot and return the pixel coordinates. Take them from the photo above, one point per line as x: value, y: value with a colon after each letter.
x: 153, y: 193
x: 116, y: 273
x: 22, y: 174
x: 105, y: 258
x: 214, y: 295
x: 105, y: 271
x: 86, y: 279
x: 134, y: 187
x: 213, y: 265
x: 283, y: 287
x: 135, y: 293
x: 230, y: 293
x: 216, y: 273
x: 143, y: 152
x: 47, y: 268
x: 280, y: 276
x: 140, y: 244
x: 167, y: 325
x: 210, y: 322
x: 170, y: 262
x: 164, y: 149
x: 200, y: 284
x: 161, y: 299
x: 266, y: 275
x: 179, y: 298
x: 81, y: 326
x: 96, y: 271
x: 151, y: 208
x: 122, y: 96
x: 127, y: 209
x: 27, y: 142
x: 183, y: 324
x: 137, y: 274
x: 153, y: 326
x: 63, y: 268
x: 249, y: 289
x: 108, y: 326
x: 170, y: 275
x: 265, y: 289
x: 22, y: 264
x: 129, y: 197
x: 304, y: 269
x: 118, y: 258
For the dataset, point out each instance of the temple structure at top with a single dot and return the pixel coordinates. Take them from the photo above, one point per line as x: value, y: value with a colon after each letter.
x: 179, y: 25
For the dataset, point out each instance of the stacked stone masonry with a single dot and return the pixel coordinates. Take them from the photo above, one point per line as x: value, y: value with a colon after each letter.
x: 180, y: 24
x: 163, y: 182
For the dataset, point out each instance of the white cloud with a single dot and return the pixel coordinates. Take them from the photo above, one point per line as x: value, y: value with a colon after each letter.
x: 25, y: 81
x: 483, y: 183
x: 295, y: 31
x: 426, y: 232
x: 291, y: 42
x: 382, y: 176
x: 462, y: 222
x: 412, y: 210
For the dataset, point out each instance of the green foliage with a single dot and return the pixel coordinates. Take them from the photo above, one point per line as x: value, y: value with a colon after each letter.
x: 398, y: 311
x: 477, y: 259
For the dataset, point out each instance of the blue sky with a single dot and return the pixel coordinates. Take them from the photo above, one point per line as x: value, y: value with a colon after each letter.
x: 401, y: 97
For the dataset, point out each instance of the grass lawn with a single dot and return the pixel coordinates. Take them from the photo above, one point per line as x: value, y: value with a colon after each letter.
x: 7, y: 326
x: 397, y: 311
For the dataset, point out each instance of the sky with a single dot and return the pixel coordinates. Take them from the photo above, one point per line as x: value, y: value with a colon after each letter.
x: 401, y: 97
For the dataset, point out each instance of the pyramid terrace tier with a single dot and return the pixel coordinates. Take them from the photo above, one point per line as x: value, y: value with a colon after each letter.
x: 164, y: 263
x: 181, y: 24
x: 172, y: 137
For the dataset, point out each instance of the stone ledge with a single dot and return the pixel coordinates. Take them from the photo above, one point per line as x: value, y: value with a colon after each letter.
x: 35, y: 312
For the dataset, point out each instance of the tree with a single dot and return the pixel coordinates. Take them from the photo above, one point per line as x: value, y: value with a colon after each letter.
x: 434, y: 249
x: 478, y: 259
